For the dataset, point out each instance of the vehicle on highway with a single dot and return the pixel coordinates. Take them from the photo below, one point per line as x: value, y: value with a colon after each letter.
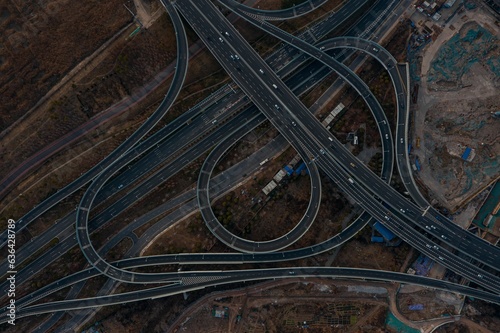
x: 479, y: 276
x: 227, y: 33
x: 401, y: 140
x: 427, y: 227
x: 275, y: 86
x: 276, y: 106
x: 221, y: 40
x: 351, y: 180
x: 291, y: 272
x: 261, y: 71
x: 322, y: 151
x: 120, y: 186
x: 237, y: 57
x: 428, y: 246
x: 387, y: 136
x: 402, y: 210
x: 294, y: 123
x: 329, y: 138
x: 443, y: 236
x: 375, y: 49
x: 441, y: 258
x: 386, y: 217
x: 352, y: 164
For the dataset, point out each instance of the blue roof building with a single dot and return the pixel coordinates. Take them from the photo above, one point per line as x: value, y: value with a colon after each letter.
x: 466, y: 153
x: 386, y: 233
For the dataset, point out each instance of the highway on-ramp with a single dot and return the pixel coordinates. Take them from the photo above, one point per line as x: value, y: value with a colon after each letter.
x: 277, y: 105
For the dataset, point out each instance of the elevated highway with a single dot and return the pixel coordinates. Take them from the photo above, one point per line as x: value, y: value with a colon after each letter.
x: 263, y: 95
x: 238, y: 243
x: 281, y: 14
x: 191, y: 281
x: 83, y: 210
x: 455, y: 235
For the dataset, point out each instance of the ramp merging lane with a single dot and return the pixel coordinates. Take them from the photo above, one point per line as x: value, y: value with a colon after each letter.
x: 276, y: 59
x: 487, y: 254
x: 83, y: 210
x: 209, y: 22
x: 298, y: 130
x: 281, y: 14
x: 192, y: 281
x: 125, y: 178
x: 239, y: 243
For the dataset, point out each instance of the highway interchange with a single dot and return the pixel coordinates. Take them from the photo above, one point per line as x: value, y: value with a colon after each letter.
x: 315, y: 145
x: 136, y: 169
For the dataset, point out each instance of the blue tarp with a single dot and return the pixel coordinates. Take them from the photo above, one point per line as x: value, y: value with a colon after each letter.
x: 301, y: 167
x: 386, y: 233
x: 288, y: 170
x: 376, y: 239
x: 416, y: 307
x: 466, y: 153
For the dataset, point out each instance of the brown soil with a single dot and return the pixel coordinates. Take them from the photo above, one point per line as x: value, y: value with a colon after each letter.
x: 315, y: 306
x: 31, y: 29
x: 454, y: 118
x: 249, y: 213
x: 436, y: 304
x: 128, y: 64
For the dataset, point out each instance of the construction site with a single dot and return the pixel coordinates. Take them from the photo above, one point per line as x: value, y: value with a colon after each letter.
x: 455, y: 71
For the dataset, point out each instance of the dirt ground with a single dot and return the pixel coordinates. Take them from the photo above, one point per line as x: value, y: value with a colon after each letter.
x: 32, y: 28
x: 129, y: 63
x: 435, y: 303
x: 454, y: 111
x: 313, y: 306
x: 483, y: 313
